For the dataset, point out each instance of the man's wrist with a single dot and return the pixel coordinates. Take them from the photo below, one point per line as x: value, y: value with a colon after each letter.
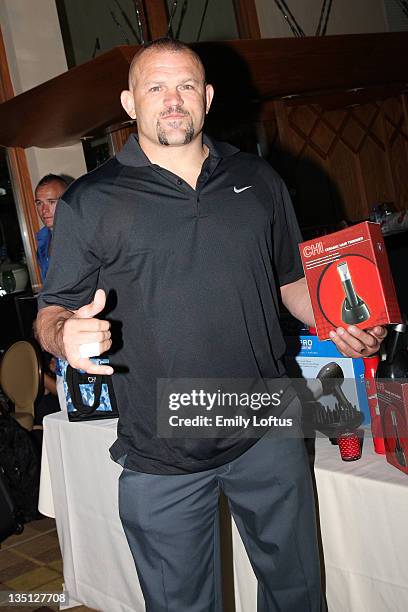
x: 59, y: 334
x: 50, y: 325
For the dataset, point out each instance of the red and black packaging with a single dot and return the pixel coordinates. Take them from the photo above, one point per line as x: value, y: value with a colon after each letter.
x: 349, y: 279
x: 393, y: 403
x: 370, y: 369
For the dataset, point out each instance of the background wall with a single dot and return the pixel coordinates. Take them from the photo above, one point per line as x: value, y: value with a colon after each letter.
x: 218, y: 20
x: 93, y: 26
x: 347, y: 17
x: 35, y: 53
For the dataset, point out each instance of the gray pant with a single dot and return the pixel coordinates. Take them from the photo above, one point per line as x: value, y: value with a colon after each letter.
x: 171, y: 523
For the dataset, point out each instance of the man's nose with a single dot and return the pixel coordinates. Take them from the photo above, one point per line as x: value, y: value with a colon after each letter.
x: 173, y: 97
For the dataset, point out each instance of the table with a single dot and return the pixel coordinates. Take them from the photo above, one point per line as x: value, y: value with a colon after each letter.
x: 363, y: 510
x: 79, y: 488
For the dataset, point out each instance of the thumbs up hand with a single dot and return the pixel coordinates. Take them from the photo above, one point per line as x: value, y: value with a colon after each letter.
x: 84, y: 336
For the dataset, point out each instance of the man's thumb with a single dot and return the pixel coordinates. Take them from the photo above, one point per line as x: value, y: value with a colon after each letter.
x: 95, y: 307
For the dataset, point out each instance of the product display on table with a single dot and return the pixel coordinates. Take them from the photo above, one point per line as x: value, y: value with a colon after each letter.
x: 349, y: 279
x: 392, y: 391
x: 331, y: 378
x: 332, y: 388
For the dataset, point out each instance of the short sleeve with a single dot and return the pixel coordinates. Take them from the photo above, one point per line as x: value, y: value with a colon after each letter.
x: 286, y: 237
x: 75, y: 259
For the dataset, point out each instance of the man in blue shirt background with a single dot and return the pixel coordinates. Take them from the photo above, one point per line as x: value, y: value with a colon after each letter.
x: 48, y: 191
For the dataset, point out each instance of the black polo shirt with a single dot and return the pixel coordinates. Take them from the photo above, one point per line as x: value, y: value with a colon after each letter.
x: 194, y: 276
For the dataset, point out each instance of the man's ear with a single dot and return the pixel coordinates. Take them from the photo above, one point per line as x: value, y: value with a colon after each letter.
x: 128, y: 103
x: 209, y: 94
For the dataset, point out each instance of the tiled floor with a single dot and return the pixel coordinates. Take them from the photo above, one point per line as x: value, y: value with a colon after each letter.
x: 32, y: 561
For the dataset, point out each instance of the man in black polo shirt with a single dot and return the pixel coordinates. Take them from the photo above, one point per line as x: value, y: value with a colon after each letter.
x: 198, y: 242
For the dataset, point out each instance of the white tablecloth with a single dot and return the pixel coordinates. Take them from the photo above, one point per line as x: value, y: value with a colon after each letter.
x: 79, y: 488
x: 363, y: 512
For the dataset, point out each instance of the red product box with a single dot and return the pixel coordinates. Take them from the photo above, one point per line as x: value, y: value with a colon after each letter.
x: 393, y: 404
x: 349, y: 279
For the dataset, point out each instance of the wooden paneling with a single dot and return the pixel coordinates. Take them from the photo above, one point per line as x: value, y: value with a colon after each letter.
x: 247, y: 19
x: 20, y: 178
x: 342, y: 162
x: 118, y: 137
x: 296, y: 66
x: 330, y: 112
x: 395, y: 118
x: 156, y: 17
x: 84, y: 100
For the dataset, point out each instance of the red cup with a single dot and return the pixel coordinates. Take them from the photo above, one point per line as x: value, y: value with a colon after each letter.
x: 349, y: 445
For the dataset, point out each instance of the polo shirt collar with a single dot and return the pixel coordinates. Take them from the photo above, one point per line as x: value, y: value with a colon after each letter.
x: 133, y: 155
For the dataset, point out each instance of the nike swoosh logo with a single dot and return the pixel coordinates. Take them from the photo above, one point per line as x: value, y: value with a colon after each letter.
x: 236, y: 190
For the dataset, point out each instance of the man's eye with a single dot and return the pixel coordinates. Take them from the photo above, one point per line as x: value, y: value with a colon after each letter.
x: 186, y: 86
x: 155, y: 88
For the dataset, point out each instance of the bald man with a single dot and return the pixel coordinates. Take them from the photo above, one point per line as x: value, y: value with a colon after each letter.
x: 198, y: 241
